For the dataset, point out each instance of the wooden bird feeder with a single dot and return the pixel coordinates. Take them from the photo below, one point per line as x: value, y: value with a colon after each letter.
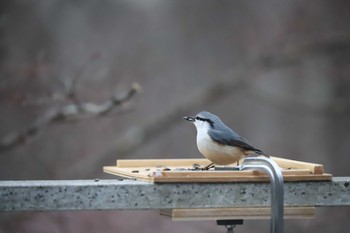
x: 189, y: 170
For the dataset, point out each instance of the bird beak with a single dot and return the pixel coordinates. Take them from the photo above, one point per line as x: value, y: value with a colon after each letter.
x: 189, y: 118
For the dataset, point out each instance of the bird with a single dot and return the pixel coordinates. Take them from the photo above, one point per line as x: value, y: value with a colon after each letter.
x: 219, y: 143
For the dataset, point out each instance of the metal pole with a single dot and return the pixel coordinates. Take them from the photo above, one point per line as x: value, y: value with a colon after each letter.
x: 273, y: 171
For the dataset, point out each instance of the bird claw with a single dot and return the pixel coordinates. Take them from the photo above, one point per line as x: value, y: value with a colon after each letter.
x: 197, y: 167
x: 206, y: 168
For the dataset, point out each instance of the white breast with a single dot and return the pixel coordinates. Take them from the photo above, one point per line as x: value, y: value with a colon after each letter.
x: 215, y: 152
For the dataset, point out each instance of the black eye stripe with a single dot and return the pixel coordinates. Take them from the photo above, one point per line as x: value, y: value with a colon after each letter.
x: 205, y: 119
x: 200, y: 118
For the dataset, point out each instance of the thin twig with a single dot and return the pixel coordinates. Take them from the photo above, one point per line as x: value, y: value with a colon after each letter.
x: 66, y: 113
x: 71, y: 84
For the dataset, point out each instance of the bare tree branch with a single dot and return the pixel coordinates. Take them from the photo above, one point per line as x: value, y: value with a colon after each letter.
x: 66, y: 113
x: 71, y: 84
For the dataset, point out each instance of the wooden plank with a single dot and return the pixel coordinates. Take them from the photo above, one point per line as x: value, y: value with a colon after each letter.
x: 283, y: 163
x: 210, y: 176
x: 228, y: 173
x: 294, y: 164
x: 236, y: 213
x: 167, y: 170
x: 142, y: 172
x: 161, y: 162
x: 126, y: 173
x: 323, y: 177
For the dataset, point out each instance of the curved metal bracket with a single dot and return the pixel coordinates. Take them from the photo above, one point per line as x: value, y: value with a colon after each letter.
x: 273, y: 171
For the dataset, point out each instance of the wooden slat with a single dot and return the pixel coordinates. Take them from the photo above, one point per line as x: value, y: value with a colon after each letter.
x: 283, y: 163
x: 211, y: 176
x: 294, y: 164
x: 140, y: 172
x: 228, y: 173
x: 323, y: 177
x: 126, y: 173
x: 161, y: 162
x: 166, y: 170
x: 236, y: 213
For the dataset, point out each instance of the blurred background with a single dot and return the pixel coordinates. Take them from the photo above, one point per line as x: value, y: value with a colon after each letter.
x: 276, y: 71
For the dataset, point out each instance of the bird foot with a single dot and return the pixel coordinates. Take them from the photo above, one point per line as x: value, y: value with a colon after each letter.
x: 206, y: 168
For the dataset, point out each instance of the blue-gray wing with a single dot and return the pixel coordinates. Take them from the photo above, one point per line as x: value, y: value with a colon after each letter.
x: 231, y: 138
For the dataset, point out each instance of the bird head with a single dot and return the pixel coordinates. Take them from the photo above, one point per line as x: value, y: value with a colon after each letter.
x: 203, y: 120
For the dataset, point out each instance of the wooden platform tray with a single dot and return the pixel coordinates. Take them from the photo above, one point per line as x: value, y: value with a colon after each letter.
x: 236, y: 213
x: 183, y: 170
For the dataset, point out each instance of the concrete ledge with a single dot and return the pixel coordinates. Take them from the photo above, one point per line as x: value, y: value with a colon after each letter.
x: 130, y: 194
